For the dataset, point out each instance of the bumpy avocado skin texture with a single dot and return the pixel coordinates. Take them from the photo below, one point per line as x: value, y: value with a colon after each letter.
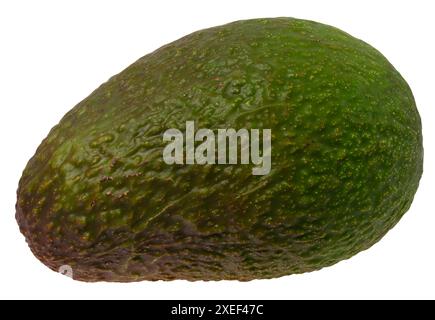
x: 346, y: 160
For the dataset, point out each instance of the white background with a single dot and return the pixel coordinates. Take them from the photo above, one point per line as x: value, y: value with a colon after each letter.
x: 54, y: 53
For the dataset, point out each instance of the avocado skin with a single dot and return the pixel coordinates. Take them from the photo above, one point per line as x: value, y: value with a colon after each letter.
x: 347, y: 158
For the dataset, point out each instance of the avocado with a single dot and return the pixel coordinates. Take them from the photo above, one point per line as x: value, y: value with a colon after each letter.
x: 346, y: 160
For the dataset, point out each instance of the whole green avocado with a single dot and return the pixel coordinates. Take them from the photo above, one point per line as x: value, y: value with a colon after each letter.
x: 347, y: 158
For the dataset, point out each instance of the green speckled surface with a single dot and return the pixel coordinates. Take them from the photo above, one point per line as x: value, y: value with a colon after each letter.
x: 346, y: 160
